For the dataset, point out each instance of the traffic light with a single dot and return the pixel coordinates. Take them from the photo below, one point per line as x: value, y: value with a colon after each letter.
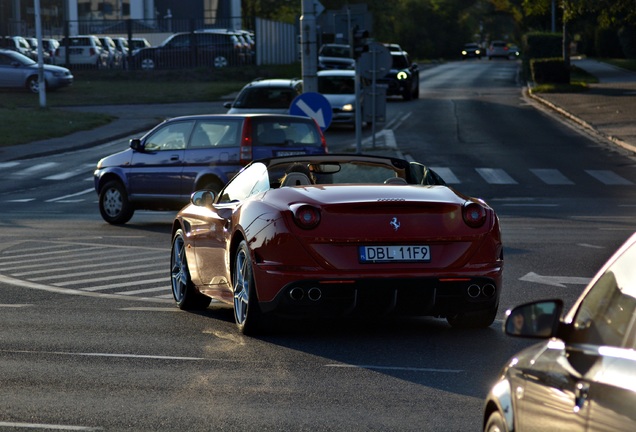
x: 360, y: 44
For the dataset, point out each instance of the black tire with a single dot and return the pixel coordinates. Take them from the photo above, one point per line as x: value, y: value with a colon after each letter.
x: 33, y: 84
x: 113, y: 203
x: 481, y: 319
x: 247, y: 313
x: 416, y: 92
x: 183, y: 290
x: 147, y: 64
x: 221, y: 62
x: 495, y: 423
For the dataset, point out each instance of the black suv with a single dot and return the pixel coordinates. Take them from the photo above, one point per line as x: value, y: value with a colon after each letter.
x: 199, y: 48
x: 404, y: 77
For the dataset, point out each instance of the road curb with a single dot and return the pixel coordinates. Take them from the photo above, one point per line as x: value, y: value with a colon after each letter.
x: 527, y: 92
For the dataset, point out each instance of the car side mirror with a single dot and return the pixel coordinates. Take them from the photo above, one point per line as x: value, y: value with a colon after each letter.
x: 202, y: 198
x: 136, y: 145
x: 227, y: 105
x: 538, y: 319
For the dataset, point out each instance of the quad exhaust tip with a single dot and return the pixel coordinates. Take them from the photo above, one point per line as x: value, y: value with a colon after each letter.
x: 298, y: 293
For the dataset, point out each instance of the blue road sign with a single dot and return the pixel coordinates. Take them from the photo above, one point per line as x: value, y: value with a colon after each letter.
x: 314, y: 105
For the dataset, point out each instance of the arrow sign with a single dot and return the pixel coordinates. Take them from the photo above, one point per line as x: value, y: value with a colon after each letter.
x: 558, y: 281
x: 313, y: 105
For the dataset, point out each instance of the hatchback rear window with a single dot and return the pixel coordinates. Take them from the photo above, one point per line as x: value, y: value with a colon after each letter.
x: 300, y: 133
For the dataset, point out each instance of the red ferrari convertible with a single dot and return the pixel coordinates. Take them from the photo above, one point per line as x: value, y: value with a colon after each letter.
x: 332, y: 235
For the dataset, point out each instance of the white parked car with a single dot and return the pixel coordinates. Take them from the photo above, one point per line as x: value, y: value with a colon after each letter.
x: 83, y: 50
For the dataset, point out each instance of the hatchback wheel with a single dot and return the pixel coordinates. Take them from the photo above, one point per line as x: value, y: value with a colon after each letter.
x: 183, y: 291
x: 113, y: 203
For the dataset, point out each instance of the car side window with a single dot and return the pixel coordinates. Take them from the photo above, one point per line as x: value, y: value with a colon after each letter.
x: 212, y: 134
x: 172, y: 136
x: 606, y: 314
x: 251, y: 181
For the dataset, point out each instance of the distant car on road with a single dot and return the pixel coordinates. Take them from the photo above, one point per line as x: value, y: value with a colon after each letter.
x: 338, y: 87
x: 498, y: 49
x: 471, y: 50
x: 161, y: 169
x: 582, y: 375
x: 21, y: 72
x: 404, y: 77
x: 270, y: 96
x: 335, y: 56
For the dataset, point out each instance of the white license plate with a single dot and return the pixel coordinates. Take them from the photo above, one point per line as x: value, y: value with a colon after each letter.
x: 381, y: 254
x: 289, y: 153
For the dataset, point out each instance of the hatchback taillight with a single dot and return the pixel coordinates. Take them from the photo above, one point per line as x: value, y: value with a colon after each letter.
x: 245, y: 152
x: 474, y: 214
x: 323, y: 140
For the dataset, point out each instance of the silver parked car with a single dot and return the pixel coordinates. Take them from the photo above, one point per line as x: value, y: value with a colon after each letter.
x: 582, y: 375
x: 19, y: 71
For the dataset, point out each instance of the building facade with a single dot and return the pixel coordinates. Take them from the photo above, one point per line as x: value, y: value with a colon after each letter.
x: 17, y: 17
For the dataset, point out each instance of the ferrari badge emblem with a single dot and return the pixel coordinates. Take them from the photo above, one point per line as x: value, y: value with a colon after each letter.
x: 395, y: 223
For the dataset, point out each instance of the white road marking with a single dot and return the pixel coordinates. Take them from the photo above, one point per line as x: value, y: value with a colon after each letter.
x: 48, y: 426
x: 551, y: 176
x: 608, y: 177
x: 495, y: 176
x: 446, y: 174
x: 81, y: 354
x: 558, y: 281
x: 84, y: 192
x: 395, y: 368
x: 32, y: 285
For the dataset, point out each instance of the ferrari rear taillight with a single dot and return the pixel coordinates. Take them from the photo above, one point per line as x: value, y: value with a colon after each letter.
x: 306, y: 216
x: 245, y: 155
x: 474, y: 214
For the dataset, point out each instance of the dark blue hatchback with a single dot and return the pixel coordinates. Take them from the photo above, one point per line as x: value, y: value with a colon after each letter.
x: 161, y: 169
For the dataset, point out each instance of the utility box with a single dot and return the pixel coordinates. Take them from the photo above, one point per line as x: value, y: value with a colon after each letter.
x: 374, y: 103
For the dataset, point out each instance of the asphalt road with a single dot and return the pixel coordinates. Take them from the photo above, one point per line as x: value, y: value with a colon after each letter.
x: 90, y: 338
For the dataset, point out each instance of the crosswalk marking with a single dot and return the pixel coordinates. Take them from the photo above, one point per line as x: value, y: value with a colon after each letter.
x: 551, y: 176
x: 447, y: 174
x: 30, y: 171
x: 68, y: 174
x: 608, y: 177
x: 495, y: 176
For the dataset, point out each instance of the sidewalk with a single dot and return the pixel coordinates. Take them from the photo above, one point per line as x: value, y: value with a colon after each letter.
x: 608, y: 109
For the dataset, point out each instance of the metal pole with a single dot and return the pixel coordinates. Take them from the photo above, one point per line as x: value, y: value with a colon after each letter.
x: 38, y: 34
x: 357, y: 108
x: 553, y: 16
x: 309, y: 51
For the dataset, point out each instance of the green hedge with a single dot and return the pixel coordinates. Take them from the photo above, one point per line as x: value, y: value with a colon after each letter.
x: 540, y: 45
x: 549, y: 70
